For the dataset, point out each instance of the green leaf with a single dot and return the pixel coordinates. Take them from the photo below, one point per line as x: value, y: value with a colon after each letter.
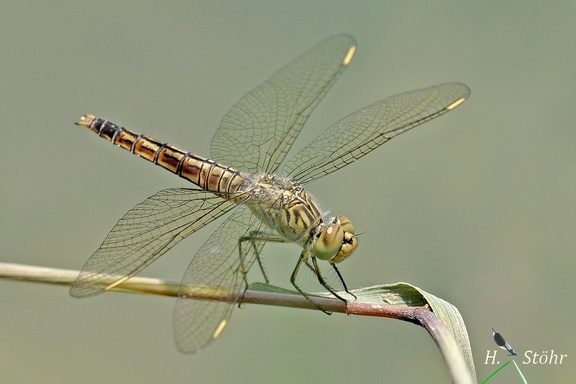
x: 404, y: 294
x: 407, y: 302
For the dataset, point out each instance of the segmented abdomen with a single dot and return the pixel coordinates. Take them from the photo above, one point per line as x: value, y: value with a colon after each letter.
x: 205, y: 173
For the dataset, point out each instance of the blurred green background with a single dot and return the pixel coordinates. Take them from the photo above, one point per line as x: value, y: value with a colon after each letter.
x: 476, y: 207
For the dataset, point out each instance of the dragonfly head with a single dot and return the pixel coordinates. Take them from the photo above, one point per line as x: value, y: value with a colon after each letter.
x: 335, y: 241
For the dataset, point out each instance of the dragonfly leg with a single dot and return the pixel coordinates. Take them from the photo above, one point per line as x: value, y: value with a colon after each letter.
x: 243, y: 254
x: 260, y: 265
x: 253, y: 238
x: 316, y: 269
x: 303, y: 260
x: 342, y: 280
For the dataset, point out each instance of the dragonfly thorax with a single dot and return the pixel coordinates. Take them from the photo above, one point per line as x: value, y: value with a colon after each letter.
x: 283, y: 205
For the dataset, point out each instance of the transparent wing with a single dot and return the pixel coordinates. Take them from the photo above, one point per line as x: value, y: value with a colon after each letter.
x: 366, y: 129
x: 145, y: 233
x: 258, y: 131
x: 217, y: 268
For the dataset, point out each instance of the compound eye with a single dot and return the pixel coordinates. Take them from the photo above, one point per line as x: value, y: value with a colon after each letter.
x: 329, y: 242
x: 345, y: 224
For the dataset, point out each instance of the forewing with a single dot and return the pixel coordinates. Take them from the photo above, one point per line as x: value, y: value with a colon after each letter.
x: 258, y: 131
x: 145, y: 233
x: 216, y: 270
x: 366, y: 129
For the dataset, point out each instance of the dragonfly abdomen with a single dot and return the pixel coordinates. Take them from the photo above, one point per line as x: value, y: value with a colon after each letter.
x: 205, y: 173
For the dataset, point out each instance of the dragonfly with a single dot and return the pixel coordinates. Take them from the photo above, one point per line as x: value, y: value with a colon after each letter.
x: 248, y: 177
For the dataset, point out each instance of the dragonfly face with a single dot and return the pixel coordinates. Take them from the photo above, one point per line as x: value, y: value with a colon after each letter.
x: 249, y: 150
x: 335, y: 242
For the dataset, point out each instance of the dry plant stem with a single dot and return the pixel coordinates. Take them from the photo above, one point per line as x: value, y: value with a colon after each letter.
x: 421, y: 315
x: 417, y: 315
x: 160, y: 287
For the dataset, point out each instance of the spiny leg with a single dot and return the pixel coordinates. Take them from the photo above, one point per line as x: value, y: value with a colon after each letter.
x: 252, y: 238
x: 303, y: 260
x: 263, y: 237
x: 342, y: 280
x: 316, y: 269
x: 242, y: 267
